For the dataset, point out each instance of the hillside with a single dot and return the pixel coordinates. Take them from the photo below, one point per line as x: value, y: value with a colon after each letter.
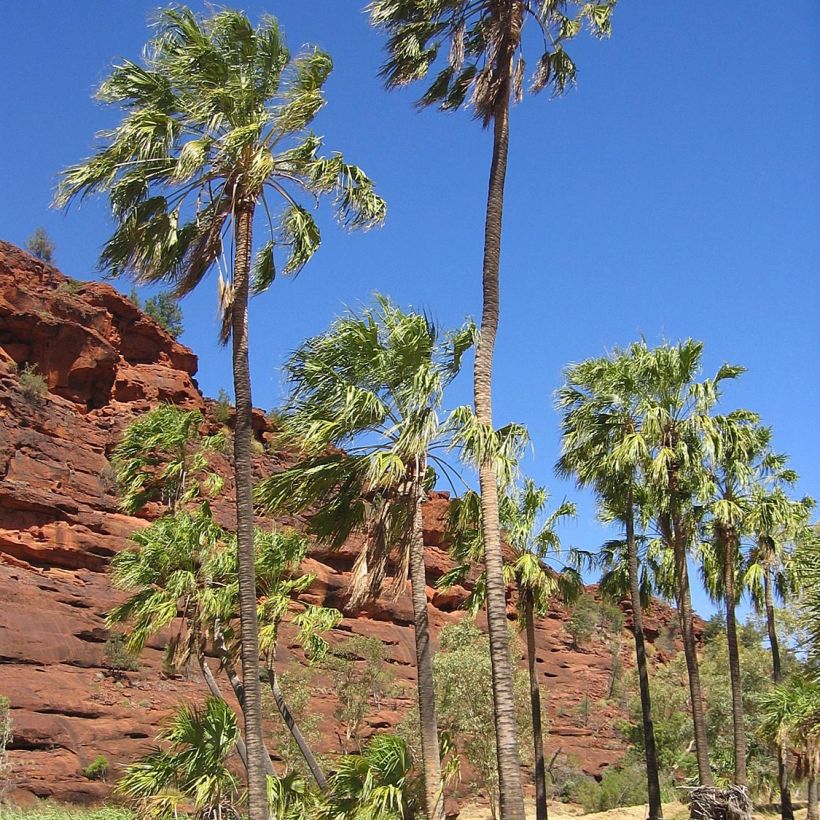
x: 105, y: 363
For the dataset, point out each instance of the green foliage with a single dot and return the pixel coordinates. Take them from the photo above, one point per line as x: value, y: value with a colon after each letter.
x: 33, y: 385
x: 73, y: 286
x: 118, y: 657
x: 189, y: 768
x: 464, y: 704
x: 222, y: 411
x: 39, y: 244
x: 377, y: 784
x: 583, y: 621
x: 51, y: 811
x: 361, y: 679
x: 97, y: 769
x: 623, y: 785
x: 162, y: 456
x: 164, y: 309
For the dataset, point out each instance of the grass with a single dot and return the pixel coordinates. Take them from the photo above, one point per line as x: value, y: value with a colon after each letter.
x: 50, y: 811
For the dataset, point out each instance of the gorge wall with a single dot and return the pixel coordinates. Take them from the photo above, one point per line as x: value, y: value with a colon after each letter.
x: 105, y: 363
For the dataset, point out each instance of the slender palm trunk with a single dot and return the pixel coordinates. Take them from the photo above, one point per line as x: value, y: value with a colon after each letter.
x: 813, y: 809
x: 652, y: 768
x: 684, y: 604
x: 428, y: 725
x: 214, y: 689
x: 739, y: 735
x: 249, y: 632
x: 535, y: 706
x: 786, y: 808
x: 290, y: 722
x: 509, y: 760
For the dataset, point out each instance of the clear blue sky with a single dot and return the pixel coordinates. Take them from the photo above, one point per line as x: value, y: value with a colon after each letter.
x: 675, y: 192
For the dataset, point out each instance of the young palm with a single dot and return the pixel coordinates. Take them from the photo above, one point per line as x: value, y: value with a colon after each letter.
x: 215, y: 129
x: 373, y: 384
x: 484, y: 68
x: 791, y: 718
x: 530, y: 538
x: 191, y: 771
x: 603, y: 448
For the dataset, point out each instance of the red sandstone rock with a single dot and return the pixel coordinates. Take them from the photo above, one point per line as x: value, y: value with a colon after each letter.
x: 106, y: 363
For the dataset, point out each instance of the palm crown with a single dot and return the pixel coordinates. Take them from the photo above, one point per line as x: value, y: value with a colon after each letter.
x: 216, y: 121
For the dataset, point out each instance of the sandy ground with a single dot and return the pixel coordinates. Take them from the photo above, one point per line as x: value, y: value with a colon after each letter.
x: 560, y: 811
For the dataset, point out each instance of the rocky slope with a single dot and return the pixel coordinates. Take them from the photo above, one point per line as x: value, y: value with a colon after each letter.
x: 104, y: 363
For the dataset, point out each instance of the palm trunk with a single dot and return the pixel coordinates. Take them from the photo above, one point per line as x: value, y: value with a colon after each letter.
x: 243, y: 433
x: 289, y: 721
x: 813, y: 810
x: 786, y: 808
x: 651, y: 754
x: 431, y: 760
x: 739, y: 736
x: 213, y: 686
x: 684, y: 603
x: 535, y: 706
x: 509, y: 760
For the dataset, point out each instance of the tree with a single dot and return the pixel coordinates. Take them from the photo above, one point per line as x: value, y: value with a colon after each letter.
x: 164, y: 309
x: 191, y: 771
x: 791, y: 717
x: 531, y: 537
x: 484, y: 37
x: 374, y: 384
x: 39, y: 244
x: 216, y: 122
x: 602, y: 448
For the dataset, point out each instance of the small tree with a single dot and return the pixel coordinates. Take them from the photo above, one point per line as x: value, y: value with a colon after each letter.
x: 582, y: 621
x: 39, y: 244
x: 164, y: 309
x: 5, y: 739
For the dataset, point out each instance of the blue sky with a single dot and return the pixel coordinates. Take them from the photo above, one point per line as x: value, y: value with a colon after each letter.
x: 673, y: 193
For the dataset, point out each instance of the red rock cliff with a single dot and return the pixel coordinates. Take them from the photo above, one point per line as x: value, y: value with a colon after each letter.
x: 105, y: 363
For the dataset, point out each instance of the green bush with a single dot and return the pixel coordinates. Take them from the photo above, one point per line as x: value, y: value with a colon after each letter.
x: 5, y: 739
x: 222, y: 411
x: 118, y: 658
x: 97, y: 769
x: 33, y: 385
x: 619, y: 786
x: 582, y: 620
x: 73, y: 286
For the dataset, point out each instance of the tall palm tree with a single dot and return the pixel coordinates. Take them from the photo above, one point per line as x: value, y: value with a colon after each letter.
x: 530, y: 538
x: 736, y: 454
x: 216, y: 126
x: 484, y: 67
x: 774, y: 522
x: 373, y: 384
x: 603, y: 448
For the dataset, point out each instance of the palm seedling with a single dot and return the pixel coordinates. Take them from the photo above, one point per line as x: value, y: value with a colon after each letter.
x: 530, y: 539
x: 474, y: 49
x: 215, y: 133
x: 373, y: 384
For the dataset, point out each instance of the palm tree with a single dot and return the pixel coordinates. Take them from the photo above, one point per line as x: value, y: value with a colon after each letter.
x: 191, y: 771
x: 377, y: 784
x: 603, y: 448
x: 529, y: 537
x: 215, y: 127
x: 187, y: 563
x: 774, y: 521
x: 374, y: 384
x: 791, y: 718
x: 736, y: 455
x: 482, y: 39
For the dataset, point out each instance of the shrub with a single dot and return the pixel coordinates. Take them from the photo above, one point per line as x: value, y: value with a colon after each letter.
x: 164, y: 309
x: 39, y: 244
x: 5, y: 739
x: 118, y: 658
x: 97, y: 769
x: 33, y: 385
x: 582, y: 620
x: 619, y: 786
x: 73, y: 286
x: 223, y: 409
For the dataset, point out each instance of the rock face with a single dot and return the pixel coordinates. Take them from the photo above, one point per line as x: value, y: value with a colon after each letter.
x: 104, y: 363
